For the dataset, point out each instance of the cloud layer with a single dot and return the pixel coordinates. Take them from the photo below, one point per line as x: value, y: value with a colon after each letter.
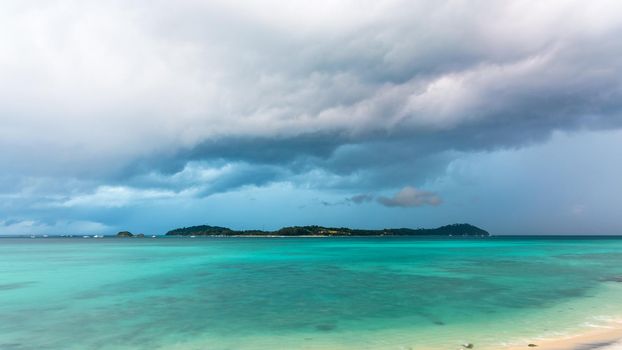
x: 121, y: 103
x: 98, y: 87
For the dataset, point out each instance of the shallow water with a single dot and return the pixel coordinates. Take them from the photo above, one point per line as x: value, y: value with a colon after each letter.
x: 303, y: 293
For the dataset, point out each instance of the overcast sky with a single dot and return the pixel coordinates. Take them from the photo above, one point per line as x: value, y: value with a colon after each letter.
x: 151, y: 115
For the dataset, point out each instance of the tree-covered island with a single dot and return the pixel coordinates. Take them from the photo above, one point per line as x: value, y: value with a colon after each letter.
x: 447, y: 230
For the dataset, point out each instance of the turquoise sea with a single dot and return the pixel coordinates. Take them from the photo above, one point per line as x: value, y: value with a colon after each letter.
x: 304, y: 293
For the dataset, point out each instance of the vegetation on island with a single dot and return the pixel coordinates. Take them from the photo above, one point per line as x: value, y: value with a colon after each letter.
x: 447, y: 230
x: 129, y: 234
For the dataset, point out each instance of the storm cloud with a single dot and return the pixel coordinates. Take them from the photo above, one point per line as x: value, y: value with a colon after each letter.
x: 126, y: 102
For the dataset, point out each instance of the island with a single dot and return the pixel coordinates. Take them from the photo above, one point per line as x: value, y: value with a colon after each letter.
x: 320, y: 231
x: 129, y: 234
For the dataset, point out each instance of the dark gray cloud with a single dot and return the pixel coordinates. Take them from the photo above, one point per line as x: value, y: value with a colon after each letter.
x: 407, y: 197
x: 410, y: 197
x: 399, y: 131
x: 361, y: 198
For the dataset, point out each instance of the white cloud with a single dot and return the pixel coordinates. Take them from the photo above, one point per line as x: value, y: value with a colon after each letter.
x: 115, y: 196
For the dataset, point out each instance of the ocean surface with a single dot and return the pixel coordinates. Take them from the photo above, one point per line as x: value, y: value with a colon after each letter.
x: 304, y: 293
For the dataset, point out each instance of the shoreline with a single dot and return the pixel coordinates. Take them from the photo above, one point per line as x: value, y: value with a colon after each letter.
x: 609, y: 338
x: 591, y: 339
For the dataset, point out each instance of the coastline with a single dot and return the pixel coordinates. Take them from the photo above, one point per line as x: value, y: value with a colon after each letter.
x: 609, y: 338
x: 597, y: 339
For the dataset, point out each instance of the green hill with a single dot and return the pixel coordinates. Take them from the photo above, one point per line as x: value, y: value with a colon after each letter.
x: 447, y: 230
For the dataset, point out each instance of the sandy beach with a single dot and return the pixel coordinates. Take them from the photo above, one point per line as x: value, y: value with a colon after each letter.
x: 599, y: 339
